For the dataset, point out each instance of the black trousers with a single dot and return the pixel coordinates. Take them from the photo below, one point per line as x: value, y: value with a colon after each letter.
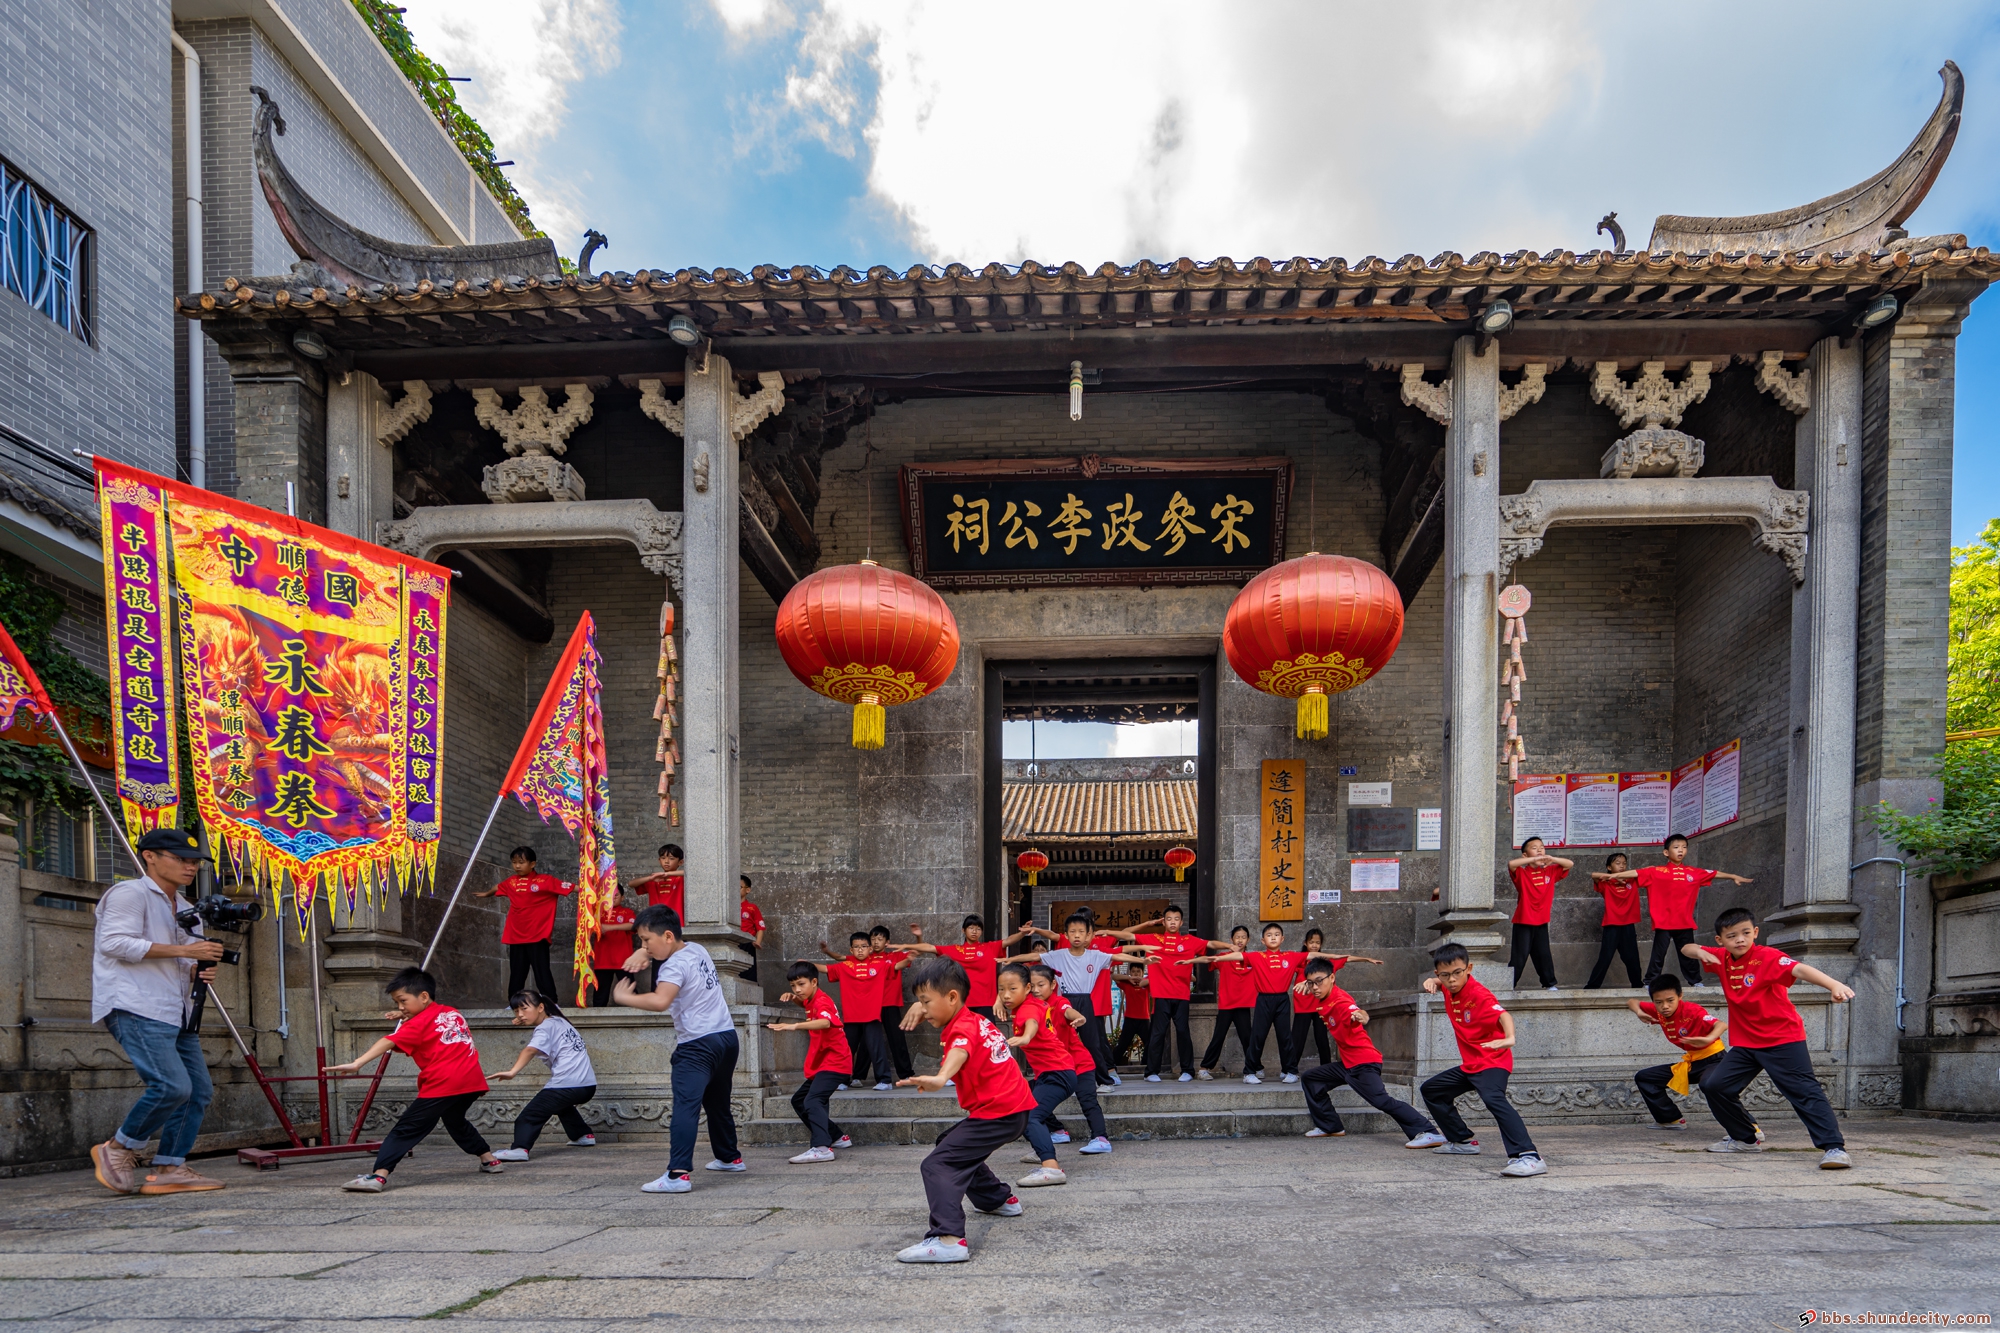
x: 701, y: 1072
x: 1623, y: 941
x: 869, y: 1046
x: 1167, y: 1012
x: 957, y: 1168
x: 1133, y: 1029
x: 1091, y: 1034
x: 420, y: 1118
x: 1652, y: 1083
x: 898, y: 1045
x: 1271, y: 1011
x: 1790, y: 1068
x: 811, y: 1102
x: 1226, y: 1022
x: 750, y: 972
x: 1441, y: 1090
x: 1533, y: 942
x: 558, y: 1102
x: 1093, y: 1110
x: 1663, y: 942
x: 1313, y: 1023
x: 522, y: 957
x: 1366, y: 1080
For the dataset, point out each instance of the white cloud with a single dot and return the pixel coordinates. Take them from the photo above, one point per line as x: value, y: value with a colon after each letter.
x: 524, y: 56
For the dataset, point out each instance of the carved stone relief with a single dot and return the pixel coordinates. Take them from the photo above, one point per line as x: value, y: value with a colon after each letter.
x: 746, y: 412
x: 1792, y: 389
x: 1779, y: 517
x: 1654, y: 451
x: 405, y: 414
x: 1434, y: 400
x: 532, y: 432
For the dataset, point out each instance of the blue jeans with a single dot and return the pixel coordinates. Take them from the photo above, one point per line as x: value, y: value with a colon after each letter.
x: 703, y: 1069
x: 178, y: 1088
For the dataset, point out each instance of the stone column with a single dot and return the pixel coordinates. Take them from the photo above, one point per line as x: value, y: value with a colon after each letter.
x: 1818, y: 916
x: 710, y: 574
x: 280, y: 427
x: 1472, y: 655
x: 13, y: 952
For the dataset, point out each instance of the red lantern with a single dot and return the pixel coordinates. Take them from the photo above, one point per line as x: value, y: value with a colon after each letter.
x: 1032, y: 863
x: 1180, y: 858
x: 1311, y: 627
x: 870, y: 637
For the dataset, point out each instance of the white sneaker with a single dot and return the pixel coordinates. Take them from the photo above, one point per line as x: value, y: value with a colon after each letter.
x: 1527, y: 1164
x: 885, y: 1087
x: 668, y: 1184
x: 1835, y: 1160
x: 1204, y: 1075
x: 813, y: 1155
x: 1470, y: 1148
x: 1252, y: 1078
x: 1043, y: 1175
x: 1152, y: 1078
x: 951, y: 1083
x: 1554, y: 989
x: 511, y: 1155
x: 1317, y: 1133
x: 1011, y: 1208
x: 1100, y: 1144
x: 736, y: 1165
x: 1288, y: 1078
x: 843, y: 1142
x: 1186, y: 1077
x: 1733, y: 1145
x: 587, y: 1141
x: 935, y: 1250
x: 1059, y: 1136
x: 1430, y: 1140
x: 1115, y: 1080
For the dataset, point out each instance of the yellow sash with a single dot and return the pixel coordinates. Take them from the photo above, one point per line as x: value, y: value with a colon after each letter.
x: 1679, y: 1080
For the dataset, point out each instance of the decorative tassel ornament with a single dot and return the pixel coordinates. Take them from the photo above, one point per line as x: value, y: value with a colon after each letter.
x: 1312, y: 719
x: 871, y: 722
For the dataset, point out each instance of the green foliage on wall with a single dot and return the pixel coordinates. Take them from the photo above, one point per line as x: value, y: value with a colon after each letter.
x: 1972, y: 688
x: 42, y: 773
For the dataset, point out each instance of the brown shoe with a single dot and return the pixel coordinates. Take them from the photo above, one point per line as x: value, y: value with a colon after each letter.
x: 117, y: 1166
x: 177, y: 1180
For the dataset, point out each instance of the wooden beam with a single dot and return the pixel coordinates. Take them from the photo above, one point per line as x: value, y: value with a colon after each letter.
x: 762, y: 553
x: 1421, y: 555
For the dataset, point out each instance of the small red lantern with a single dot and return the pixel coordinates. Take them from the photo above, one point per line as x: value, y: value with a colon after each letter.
x: 870, y: 637
x: 1311, y: 627
x: 1180, y: 858
x: 1032, y: 863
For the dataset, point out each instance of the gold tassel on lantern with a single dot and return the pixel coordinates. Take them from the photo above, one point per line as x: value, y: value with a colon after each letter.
x: 871, y: 722
x: 1312, y: 714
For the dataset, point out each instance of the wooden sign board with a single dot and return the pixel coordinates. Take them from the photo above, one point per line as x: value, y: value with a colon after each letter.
x: 1384, y: 828
x: 1281, y: 869
x: 1110, y: 914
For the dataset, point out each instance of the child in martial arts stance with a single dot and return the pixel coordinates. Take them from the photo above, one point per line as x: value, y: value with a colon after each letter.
x: 1049, y: 1060
x: 1235, y: 999
x: 1078, y: 969
x: 1485, y: 1033
x: 1671, y: 893
x: 1692, y: 1029
x: 995, y: 1098
x: 1138, y: 1011
x: 1621, y: 921
x: 1535, y: 874
x: 828, y: 1062
x: 1306, y: 1021
x: 978, y: 956
x: 860, y: 976
x: 1067, y: 1021
x: 449, y: 1080
x: 571, y: 1083
x: 1765, y: 1033
x: 1359, y: 1066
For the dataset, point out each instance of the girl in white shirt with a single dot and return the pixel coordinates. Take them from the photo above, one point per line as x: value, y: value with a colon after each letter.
x: 572, y: 1081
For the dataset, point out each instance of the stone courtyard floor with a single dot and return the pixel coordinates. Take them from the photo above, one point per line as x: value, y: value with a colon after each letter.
x: 1631, y: 1229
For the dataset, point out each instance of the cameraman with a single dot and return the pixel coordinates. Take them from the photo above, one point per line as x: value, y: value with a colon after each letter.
x: 141, y: 968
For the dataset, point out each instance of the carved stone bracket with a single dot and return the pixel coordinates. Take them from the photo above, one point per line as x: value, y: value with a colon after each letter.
x: 1654, y: 451
x: 434, y: 529
x: 1792, y: 389
x: 1534, y: 382
x: 1434, y: 400
x: 1778, y: 517
x: 534, y: 427
x: 529, y: 478
x: 653, y: 402
x: 407, y: 413
x: 746, y: 412
x: 1652, y: 398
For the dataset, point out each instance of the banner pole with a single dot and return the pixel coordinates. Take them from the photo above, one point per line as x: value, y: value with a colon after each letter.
x: 463, y: 875
x: 117, y: 824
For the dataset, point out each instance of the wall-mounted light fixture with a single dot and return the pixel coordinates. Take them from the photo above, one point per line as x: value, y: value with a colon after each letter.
x: 310, y: 344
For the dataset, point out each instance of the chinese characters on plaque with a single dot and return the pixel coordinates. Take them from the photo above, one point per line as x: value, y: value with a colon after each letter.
x: 1281, y: 875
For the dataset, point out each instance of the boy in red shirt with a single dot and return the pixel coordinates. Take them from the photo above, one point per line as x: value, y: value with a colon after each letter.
x: 828, y: 1062
x: 1054, y: 1081
x: 993, y: 1095
x: 668, y: 888
x: 1691, y: 1028
x: 531, y: 919
x: 1535, y: 874
x: 1359, y: 1066
x: 859, y: 976
x: 1169, y: 975
x: 1765, y: 1033
x: 449, y: 1079
x: 1138, y: 1011
x: 1621, y: 922
x: 893, y: 962
x: 979, y: 958
x: 751, y: 918
x: 1485, y: 1033
x: 1235, y: 1001
x: 1273, y: 969
x: 615, y: 944
x: 1671, y: 891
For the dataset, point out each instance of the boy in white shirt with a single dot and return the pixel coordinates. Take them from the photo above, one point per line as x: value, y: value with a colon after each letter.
x: 572, y: 1081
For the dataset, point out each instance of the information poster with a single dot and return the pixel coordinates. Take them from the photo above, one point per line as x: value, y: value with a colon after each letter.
x: 1370, y: 793
x: 1323, y: 897
x: 1541, y: 808
x: 1281, y: 866
x: 1591, y: 810
x: 1373, y: 874
x: 1684, y: 801
x: 1642, y: 808
x: 1430, y: 830
x: 1721, y: 768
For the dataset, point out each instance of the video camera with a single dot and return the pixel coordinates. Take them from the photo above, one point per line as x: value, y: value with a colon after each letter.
x: 217, y: 912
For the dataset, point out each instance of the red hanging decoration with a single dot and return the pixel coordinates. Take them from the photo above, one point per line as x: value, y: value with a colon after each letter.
x: 1032, y: 863
x: 870, y: 637
x: 1180, y: 858
x: 1312, y: 627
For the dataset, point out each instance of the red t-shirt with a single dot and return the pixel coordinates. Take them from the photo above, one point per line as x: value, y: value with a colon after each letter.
x: 1045, y: 1050
x: 982, y: 966
x: 1350, y: 1039
x: 1475, y: 1017
x: 1688, y: 1018
x: 990, y: 1086
x: 1537, y: 887
x: 1275, y: 972
x: 752, y: 918
x: 1168, y: 974
x: 826, y: 1048
x: 1235, y: 985
x: 1670, y: 893
x: 615, y: 946
x: 1761, y: 1013
x: 1080, y: 1058
x: 892, y: 981
x: 665, y: 890
x: 440, y: 1041
x: 1304, y: 1001
x: 1621, y: 900
x: 860, y: 988
x: 531, y: 908
x: 1138, y: 999
x: 1100, y: 991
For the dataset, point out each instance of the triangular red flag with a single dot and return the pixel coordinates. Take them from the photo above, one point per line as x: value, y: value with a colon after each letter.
x: 19, y: 686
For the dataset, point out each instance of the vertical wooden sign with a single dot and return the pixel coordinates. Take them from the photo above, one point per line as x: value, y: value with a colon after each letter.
x: 1281, y: 877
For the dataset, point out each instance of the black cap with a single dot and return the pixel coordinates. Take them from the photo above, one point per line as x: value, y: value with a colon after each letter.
x: 178, y: 841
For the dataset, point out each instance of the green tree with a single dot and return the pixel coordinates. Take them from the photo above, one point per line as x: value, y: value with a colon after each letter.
x: 1972, y: 690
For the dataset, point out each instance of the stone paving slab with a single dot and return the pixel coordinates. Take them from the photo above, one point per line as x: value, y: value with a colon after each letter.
x: 1631, y: 1228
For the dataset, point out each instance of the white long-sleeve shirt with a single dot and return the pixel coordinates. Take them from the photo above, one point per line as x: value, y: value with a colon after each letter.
x: 132, y: 916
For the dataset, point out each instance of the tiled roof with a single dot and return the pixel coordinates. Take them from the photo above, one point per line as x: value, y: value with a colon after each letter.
x: 1060, y: 812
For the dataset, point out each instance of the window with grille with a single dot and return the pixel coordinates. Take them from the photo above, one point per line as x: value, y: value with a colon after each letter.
x: 57, y: 843
x: 45, y: 254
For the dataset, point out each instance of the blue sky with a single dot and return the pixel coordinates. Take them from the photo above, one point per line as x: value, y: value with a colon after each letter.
x: 715, y: 133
